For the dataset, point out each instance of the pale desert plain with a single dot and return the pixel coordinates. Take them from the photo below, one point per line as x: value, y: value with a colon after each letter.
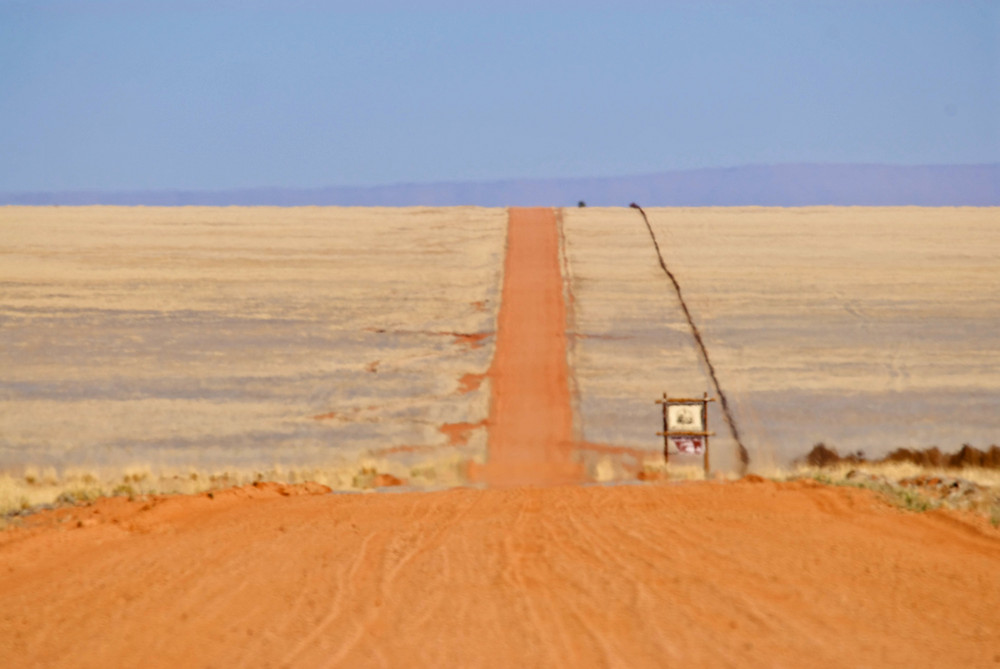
x: 419, y: 436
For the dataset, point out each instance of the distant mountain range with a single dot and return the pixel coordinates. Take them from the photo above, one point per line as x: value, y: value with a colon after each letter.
x: 778, y: 185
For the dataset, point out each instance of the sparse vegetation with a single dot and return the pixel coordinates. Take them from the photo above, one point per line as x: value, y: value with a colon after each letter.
x: 911, y: 486
x: 968, y: 456
x: 33, y: 489
x: 905, y: 485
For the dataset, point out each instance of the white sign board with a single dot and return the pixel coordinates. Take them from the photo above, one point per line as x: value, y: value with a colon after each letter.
x: 684, y: 418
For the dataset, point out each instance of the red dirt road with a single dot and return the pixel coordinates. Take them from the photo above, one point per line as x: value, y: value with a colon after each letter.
x: 747, y: 574
x: 531, y: 417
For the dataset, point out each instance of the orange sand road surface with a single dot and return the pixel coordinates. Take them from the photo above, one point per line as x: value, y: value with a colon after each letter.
x: 697, y: 574
x: 531, y: 420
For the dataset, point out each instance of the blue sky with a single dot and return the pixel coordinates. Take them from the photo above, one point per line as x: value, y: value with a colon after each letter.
x: 161, y: 95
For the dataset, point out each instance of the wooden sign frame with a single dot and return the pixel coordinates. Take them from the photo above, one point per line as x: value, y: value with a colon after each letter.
x: 667, y: 433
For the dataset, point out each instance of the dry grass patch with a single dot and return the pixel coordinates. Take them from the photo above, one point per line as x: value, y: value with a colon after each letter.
x: 911, y: 486
x: 34, y: 489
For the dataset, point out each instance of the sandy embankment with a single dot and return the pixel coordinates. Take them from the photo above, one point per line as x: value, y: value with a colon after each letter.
x: 704, y: 575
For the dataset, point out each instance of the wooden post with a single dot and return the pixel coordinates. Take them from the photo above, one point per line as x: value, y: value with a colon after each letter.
x: 666, y: 430
x: 704, y: 427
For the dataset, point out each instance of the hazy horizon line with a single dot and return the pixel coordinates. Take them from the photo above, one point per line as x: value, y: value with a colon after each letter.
x: 502, y: 180
x: 781, y: 184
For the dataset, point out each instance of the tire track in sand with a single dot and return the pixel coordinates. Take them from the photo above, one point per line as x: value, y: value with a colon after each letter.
x: 530, y: 426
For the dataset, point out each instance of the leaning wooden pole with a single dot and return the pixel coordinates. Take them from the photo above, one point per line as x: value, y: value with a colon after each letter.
x: 726, y: 412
